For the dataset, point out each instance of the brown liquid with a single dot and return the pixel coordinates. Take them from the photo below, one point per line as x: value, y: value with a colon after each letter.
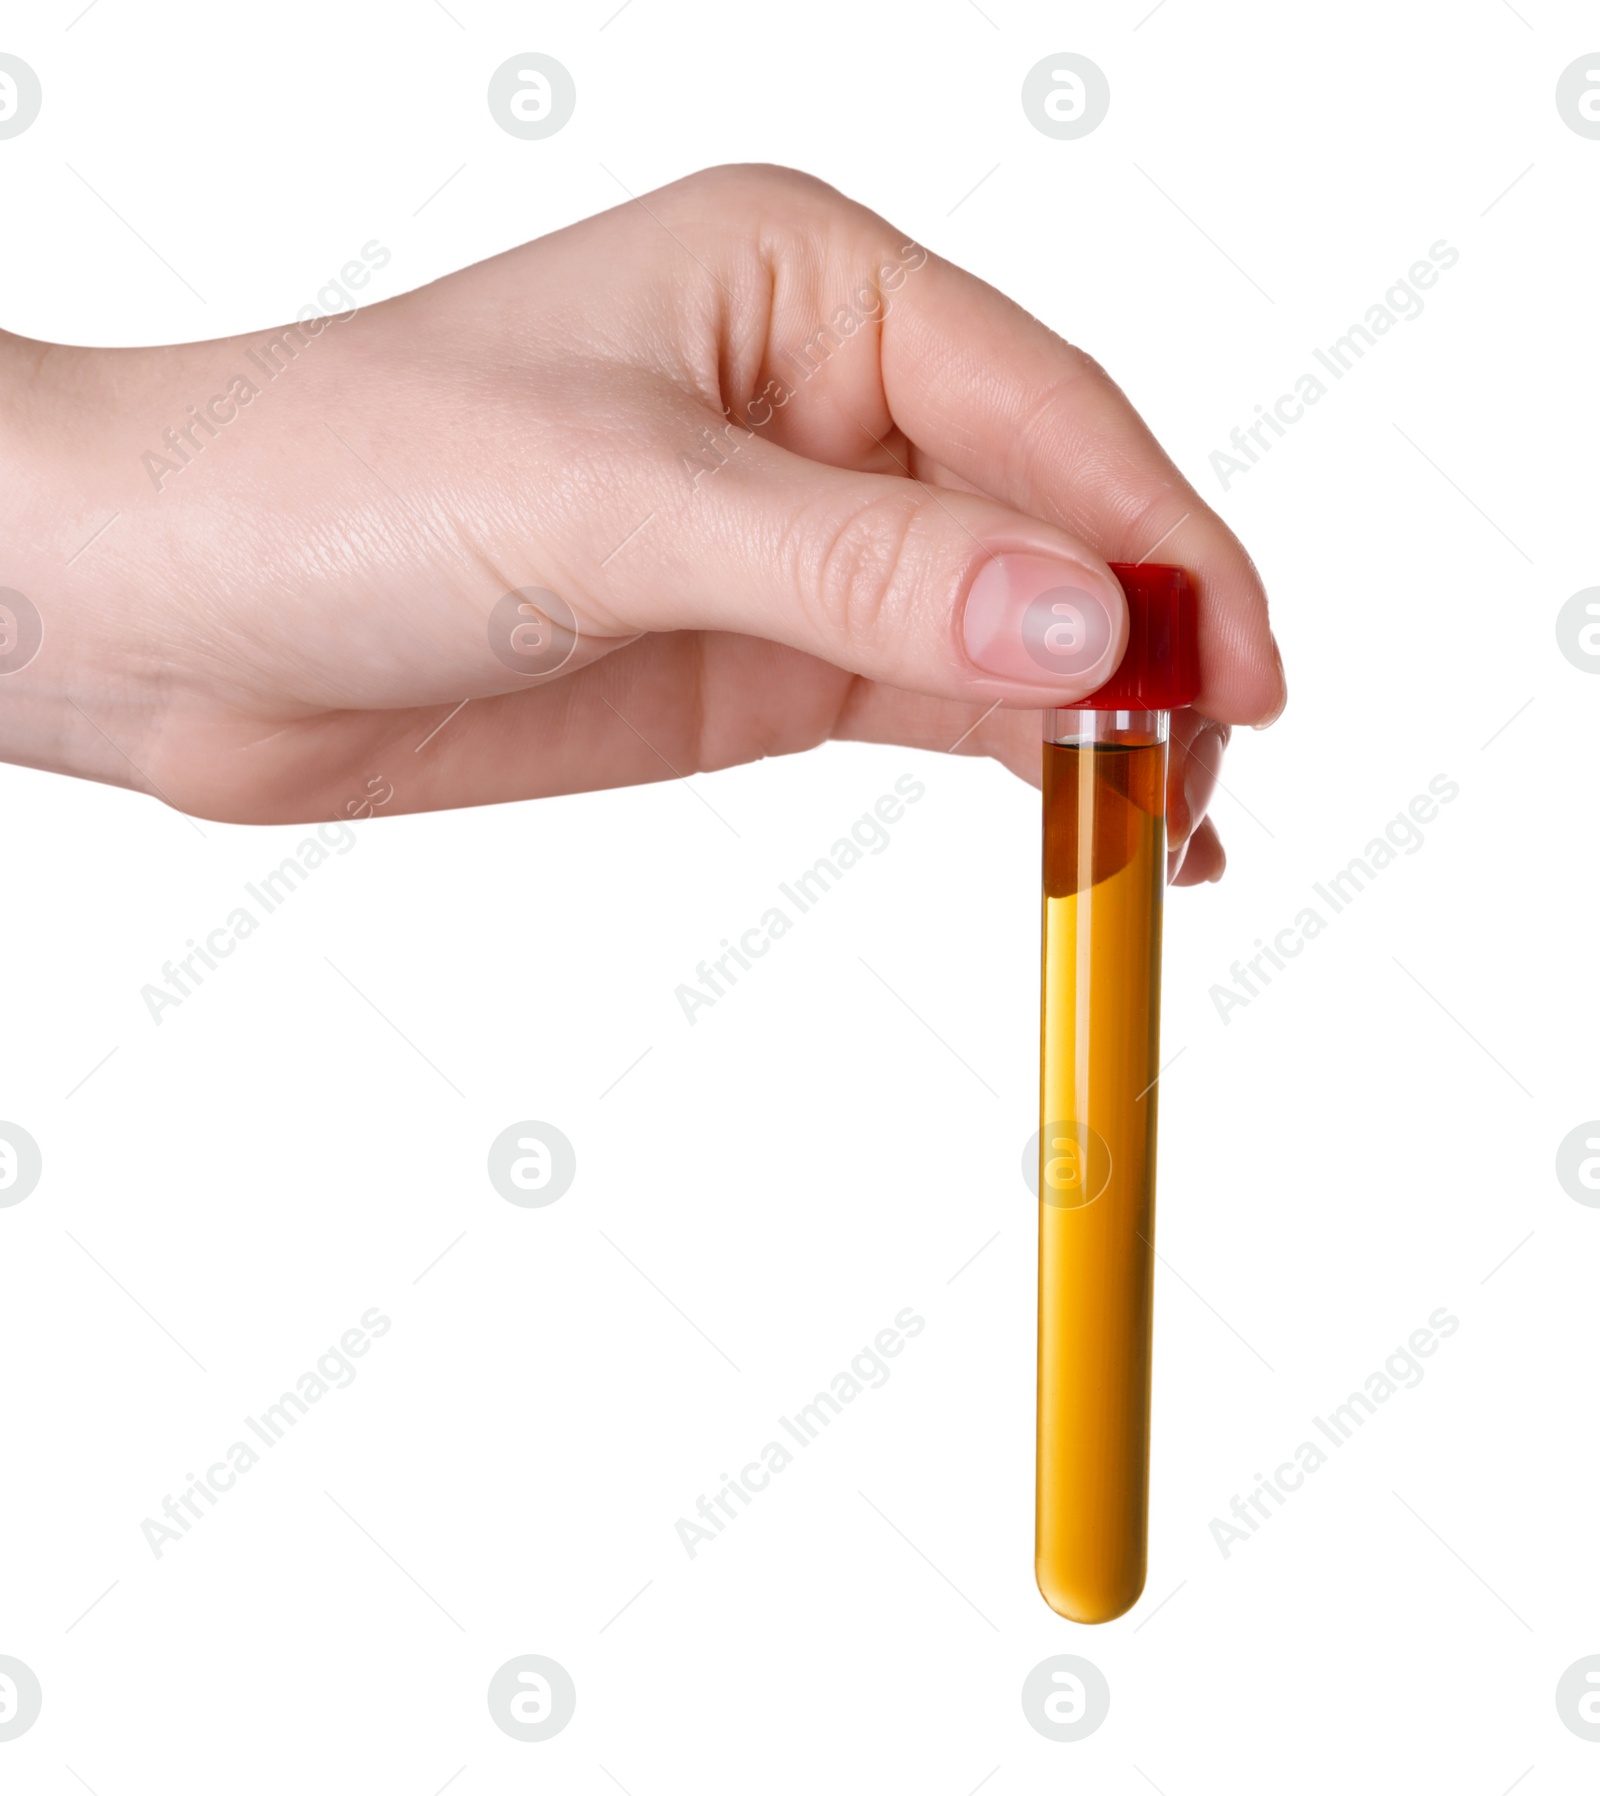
x: 1104, y: 879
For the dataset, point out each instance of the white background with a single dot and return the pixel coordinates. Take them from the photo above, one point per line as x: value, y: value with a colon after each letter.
x: 1365, y: 1142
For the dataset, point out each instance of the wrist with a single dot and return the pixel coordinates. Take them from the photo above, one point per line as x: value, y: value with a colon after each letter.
x: 66, y: 678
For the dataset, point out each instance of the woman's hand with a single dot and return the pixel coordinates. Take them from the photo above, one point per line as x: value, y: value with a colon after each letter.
x: 723, y: 473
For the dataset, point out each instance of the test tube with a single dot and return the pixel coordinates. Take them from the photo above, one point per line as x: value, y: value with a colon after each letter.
x: 1105, y: 855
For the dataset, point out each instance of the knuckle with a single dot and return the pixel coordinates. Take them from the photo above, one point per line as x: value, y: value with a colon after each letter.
x: 755, y: 186
x: 1153, y: 508
x: 860, y: 572
x: 1050, y: 412
x: 1077, y: 366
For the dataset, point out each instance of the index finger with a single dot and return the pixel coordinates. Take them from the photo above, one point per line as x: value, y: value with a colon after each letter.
x: 1009, y: 407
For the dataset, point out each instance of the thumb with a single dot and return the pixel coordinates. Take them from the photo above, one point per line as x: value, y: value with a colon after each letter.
x: 934, y: 590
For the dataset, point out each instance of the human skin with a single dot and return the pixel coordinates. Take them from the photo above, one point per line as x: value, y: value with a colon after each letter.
x: 293, y: 611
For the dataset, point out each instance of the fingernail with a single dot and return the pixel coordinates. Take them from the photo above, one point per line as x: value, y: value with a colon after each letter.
x: 1046, y: 622
x: 1200, y: 769
x: 1277, y: 711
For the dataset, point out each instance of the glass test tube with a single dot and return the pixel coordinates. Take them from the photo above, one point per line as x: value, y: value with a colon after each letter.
x: 1105, y: 851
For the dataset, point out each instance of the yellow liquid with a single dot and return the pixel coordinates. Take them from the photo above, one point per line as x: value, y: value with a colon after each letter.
x: 1104, y: 879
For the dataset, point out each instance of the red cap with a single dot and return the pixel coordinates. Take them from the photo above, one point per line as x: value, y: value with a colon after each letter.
x: 1160, y: 670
